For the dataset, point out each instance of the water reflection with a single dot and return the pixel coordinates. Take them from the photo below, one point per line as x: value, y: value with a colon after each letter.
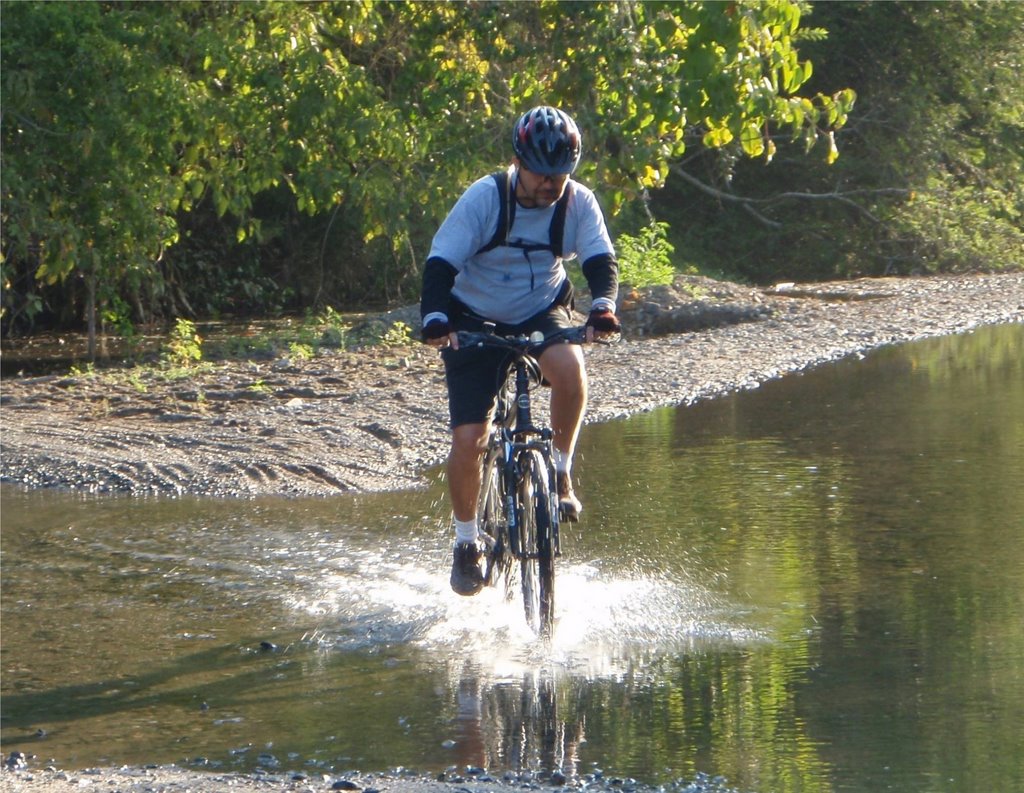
x: 515, y: 723
x: 811, y: 587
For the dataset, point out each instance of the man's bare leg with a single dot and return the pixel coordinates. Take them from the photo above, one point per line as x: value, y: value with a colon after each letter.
x: 563, y: 366
x: 469, y: 442
x: 464, y: 475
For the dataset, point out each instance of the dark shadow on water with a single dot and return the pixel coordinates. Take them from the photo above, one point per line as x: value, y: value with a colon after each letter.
x: 241, y: 670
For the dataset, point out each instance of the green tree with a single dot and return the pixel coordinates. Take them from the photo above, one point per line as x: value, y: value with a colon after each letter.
x: 933, y: 156
x: 127, y: 124
x: 87, y: 125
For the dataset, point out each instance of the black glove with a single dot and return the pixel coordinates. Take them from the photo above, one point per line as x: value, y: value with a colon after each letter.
x: 435, y: 329
x: 604, y: 321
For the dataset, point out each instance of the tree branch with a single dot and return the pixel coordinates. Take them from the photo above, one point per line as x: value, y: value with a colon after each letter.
x: 748, y: 203
x: 716, y: 193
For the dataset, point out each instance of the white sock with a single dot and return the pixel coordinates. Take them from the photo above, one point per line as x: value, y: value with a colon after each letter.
x: 563, y: 462
x: 466, y: 531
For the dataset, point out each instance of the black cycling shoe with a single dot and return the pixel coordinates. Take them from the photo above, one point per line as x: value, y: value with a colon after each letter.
x: 467, y: 578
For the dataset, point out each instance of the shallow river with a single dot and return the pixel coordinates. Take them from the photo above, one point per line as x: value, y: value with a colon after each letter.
x: 814, y: 586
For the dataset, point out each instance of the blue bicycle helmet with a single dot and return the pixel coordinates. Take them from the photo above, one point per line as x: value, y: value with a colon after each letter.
x: 547, y: 141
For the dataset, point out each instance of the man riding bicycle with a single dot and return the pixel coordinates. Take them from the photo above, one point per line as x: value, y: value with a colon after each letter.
x: 515, y: 279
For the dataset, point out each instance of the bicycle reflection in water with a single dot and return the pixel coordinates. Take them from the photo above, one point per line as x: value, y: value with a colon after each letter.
x: 511, y: 727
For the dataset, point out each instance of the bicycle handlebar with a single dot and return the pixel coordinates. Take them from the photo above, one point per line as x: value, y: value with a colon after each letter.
x: 522, y: 343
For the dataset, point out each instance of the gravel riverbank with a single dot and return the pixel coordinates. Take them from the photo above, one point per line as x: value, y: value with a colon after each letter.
x: 171, y: 779
x: 375, y: 419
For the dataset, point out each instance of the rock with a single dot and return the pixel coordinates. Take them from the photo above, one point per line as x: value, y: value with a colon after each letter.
x: 385, y: 434
x: 16, y: 761
x: 688, y: 304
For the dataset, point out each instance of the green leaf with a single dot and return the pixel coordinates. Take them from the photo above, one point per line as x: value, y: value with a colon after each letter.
x: 717, y: 137
x: 751, y: 140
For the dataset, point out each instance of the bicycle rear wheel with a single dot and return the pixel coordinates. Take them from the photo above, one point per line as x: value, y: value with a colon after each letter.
x: 537, y: 558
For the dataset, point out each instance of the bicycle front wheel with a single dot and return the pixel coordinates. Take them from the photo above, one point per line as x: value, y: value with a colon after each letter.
x: 537, y: 558
x: 492, y: 518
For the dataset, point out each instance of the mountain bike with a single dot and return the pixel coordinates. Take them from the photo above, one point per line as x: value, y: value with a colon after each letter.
x: 518, y: 510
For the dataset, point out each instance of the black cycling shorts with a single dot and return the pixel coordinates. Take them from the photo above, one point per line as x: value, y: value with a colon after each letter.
x: 475, y: 375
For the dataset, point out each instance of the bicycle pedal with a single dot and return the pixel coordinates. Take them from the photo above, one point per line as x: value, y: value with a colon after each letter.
x: 486, y: 540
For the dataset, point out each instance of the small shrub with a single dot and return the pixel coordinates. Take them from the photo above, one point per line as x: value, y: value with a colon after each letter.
x: 646, y: 259
x: 398, y: 335
x: 334, y: 328
x: 185, y: 346
x: 300, y: 351
x: 88, y: 371
x: 118, y: 315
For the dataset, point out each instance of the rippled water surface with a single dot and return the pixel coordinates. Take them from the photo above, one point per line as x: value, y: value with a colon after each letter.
x: 815, y: 586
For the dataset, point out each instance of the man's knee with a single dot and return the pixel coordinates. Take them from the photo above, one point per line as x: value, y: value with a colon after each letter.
x: 469, y: 440
x: 563, y: 366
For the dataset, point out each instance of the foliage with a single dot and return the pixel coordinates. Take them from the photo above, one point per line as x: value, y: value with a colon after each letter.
x: 210, y: 159
x: 207, y: 159
x: 300, y: 351
x: 117, y: 315
x: 337, y: 134
x: 334, y: 328
x: 651, y: 79
x: 961, y: 159
x: 184, y: 348
x: 398, y: 335
x: 646, y: 259
x: 933, y: 156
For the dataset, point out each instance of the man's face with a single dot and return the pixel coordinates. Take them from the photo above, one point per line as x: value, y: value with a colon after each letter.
x: 537, y: 190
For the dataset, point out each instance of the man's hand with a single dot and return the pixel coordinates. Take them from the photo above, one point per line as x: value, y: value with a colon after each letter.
x: 601, y: 324
x: 439, y: 334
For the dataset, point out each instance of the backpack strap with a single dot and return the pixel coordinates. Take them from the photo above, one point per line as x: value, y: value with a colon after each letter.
x: 506, y: 210
x: 557, y: 230
x: 507, y: 214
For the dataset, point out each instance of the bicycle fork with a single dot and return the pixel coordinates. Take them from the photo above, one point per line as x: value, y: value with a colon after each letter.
x: 516, y: 477
x: 515, y: 442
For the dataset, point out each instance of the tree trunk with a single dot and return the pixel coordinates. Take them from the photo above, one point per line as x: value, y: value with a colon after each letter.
x: 90, y: 314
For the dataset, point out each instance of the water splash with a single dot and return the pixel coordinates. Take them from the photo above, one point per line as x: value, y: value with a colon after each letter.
x: 605, y: 620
